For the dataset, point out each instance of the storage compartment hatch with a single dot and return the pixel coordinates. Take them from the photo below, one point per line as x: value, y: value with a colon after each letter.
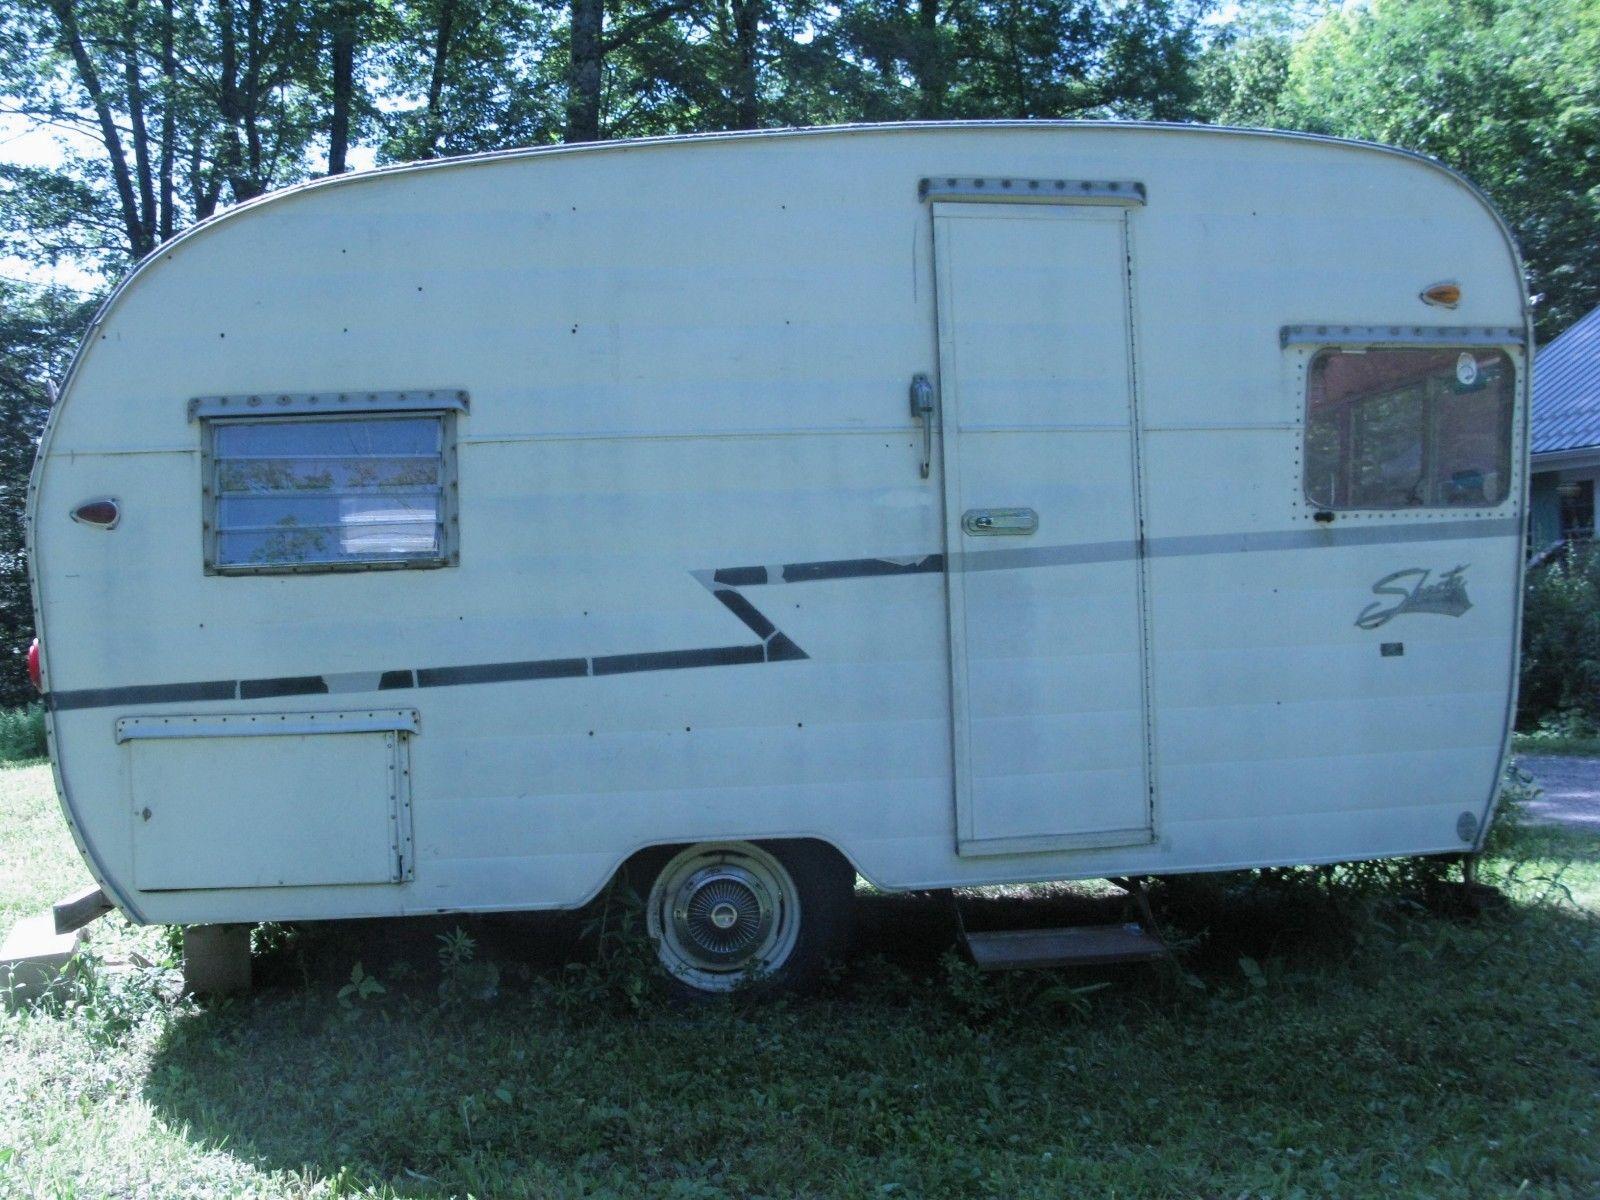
x: 270, y: 799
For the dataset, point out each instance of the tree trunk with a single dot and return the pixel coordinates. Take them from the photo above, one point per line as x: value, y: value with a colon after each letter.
x: 589, y: 47
x: 746, y: 70
x: 436, y: 77
x: 252, y: 98
x: 138, y: 134
x: 928, y: 66
x: 67, y: 19
x: 169, y: 119
x: 230, y: 156
x: 583, y: 72
x: 343, y: 54
x: 205, y: 185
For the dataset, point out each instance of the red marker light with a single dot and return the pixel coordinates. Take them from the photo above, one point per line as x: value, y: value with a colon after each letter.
x: 33, y: 666
x: 103, y: 512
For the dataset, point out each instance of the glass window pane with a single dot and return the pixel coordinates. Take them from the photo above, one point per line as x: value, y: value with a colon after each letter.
x: 328, y: 491
x: 1409, y: 428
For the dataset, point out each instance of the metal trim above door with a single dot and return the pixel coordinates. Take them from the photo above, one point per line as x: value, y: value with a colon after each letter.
x: 1009, y: 189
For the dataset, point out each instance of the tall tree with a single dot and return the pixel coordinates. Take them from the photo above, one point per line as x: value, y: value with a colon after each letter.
x: 1505, y: 91
x: 469, y: 75
x: 170, y: 107
x: 1023, y: 58
x: 593, y: 34
x: 342, y: 19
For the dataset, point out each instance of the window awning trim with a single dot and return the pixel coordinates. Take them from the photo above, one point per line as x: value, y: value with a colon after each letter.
x: 300, y: 404
x: 1401, y: 335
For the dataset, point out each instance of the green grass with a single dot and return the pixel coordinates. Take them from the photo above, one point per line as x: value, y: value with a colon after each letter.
x: 1323, y: 1041
x: 38, y: 863
x: 1552, y: 743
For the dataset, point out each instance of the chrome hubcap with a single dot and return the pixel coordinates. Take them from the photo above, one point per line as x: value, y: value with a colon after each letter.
x: 720, y: 913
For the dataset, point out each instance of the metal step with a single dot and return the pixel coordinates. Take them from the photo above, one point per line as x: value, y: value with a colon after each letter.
x: 1076, y: 946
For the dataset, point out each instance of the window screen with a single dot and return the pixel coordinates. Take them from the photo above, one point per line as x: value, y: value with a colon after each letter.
x: 1408, y: 428
x: 330, y: 492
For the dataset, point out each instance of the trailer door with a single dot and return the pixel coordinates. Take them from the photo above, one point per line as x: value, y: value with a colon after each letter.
x: 1047, y: 638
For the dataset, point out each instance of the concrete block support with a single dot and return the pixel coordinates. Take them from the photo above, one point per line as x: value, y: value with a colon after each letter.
x: 33, y: 955
x: 216, y: 959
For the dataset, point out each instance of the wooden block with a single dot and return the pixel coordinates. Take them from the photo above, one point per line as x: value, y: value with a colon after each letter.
x: 79, y: 909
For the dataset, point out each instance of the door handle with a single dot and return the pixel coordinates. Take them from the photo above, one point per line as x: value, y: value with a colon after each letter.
x: 922, y: 410
x: 1000, y: 522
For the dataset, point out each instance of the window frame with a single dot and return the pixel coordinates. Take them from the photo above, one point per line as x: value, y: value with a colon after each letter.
x: 1314, y: 350
x: 449, y: 554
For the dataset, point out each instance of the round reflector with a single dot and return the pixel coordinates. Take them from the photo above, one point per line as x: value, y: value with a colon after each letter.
x: 33, y: 665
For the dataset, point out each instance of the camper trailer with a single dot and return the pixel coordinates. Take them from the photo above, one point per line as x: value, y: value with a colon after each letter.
x: 943, y: 504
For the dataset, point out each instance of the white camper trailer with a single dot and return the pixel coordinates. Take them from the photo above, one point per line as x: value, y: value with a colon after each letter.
x: 951, y: 504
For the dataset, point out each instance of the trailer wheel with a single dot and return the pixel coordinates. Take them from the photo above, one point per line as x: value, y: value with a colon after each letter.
x: 727, y: 915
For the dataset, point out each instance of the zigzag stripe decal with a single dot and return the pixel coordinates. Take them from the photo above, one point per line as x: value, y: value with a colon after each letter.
x: 774, y: 646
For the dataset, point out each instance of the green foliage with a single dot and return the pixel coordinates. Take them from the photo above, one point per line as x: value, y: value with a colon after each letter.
x: 106, y: 1003
x: 1560, y: 689
x: 455, y: 78
x: 621, y: 974
x: 361, y: 988
x: 978, y: 996
x: 1505, y: 91
x: 462, y: 976
x: 22, y: 734
x: 982, y: 58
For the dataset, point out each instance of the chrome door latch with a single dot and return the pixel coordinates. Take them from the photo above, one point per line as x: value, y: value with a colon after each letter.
x: 1000, y: 522
x: 922, y: 410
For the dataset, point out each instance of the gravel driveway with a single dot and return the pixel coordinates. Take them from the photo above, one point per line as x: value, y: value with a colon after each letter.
x: 1571, y: 790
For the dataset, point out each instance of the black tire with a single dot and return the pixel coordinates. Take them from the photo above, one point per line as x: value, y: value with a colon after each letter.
x: 753, y: 917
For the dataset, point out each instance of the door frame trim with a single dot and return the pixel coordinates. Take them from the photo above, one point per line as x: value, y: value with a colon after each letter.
x: 966, y: 845
x: 1045, y: 842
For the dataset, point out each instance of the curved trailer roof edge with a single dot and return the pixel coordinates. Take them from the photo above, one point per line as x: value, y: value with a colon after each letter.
x: 165, y: 250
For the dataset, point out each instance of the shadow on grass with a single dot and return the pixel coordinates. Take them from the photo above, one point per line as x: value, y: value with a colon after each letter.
x: 1378, y: 1048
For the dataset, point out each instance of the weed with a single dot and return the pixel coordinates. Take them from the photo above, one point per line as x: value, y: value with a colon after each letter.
x: 361, y: 988
x: 105, y: 1002
x: 622, y: 972
x: 463, y: 976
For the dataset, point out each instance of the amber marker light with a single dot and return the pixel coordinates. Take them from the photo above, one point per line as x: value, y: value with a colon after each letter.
x: 1442, y: 295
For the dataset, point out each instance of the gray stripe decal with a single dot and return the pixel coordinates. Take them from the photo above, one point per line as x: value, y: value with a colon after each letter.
x: 156, y: 693
x: 775, y: 645
x: 1202, y: 545
x: 545, y: 668
x: 1376, y: 534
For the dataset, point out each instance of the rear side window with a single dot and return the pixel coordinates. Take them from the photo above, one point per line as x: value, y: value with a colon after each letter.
x: 329, y: 493
x: 1409, y: 428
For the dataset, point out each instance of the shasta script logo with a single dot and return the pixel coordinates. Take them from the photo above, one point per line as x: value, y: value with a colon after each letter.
x: 1446, y: 595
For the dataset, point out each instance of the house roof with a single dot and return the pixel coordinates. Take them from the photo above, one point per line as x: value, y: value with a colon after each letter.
x: 1566, y: 389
